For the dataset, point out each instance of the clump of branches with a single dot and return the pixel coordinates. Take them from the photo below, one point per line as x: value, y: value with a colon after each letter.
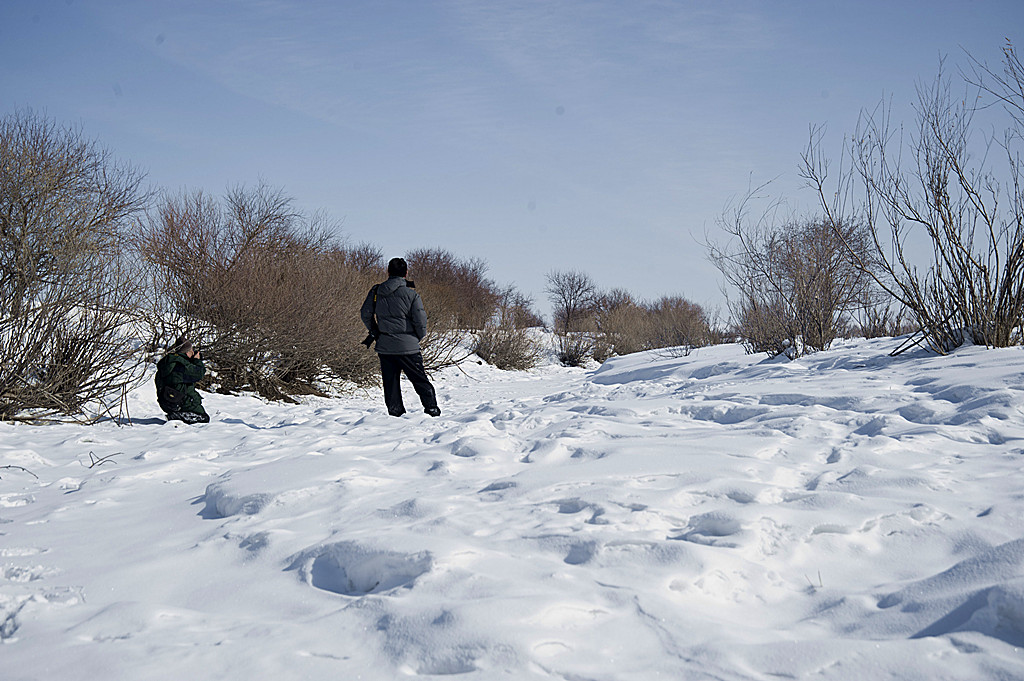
x: 267, y: 292
x: 506, y: 341
x: 68, y: 293
x: 946, y: 187
x: 458, y: 298
x: 796, y: 282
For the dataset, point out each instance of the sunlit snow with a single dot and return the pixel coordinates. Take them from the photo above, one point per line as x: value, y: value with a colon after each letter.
x: 849, y: 515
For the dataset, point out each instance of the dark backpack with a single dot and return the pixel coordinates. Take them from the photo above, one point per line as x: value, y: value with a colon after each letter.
x: 171, y: 397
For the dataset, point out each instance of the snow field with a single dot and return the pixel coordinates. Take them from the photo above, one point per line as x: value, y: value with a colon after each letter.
x: 845, y: 516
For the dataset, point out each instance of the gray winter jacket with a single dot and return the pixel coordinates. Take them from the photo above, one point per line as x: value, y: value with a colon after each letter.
x: 400, y: 317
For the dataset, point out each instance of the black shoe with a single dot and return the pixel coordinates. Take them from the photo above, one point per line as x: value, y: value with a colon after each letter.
x: 396, y: 413
x: 432, y: 411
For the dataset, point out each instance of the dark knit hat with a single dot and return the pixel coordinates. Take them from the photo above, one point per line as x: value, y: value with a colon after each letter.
x: 397, y: 267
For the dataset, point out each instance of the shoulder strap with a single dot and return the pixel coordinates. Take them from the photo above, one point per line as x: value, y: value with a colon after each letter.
x: 374, y: 292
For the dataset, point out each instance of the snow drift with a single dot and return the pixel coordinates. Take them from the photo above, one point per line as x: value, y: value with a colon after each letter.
x: 845, y: 516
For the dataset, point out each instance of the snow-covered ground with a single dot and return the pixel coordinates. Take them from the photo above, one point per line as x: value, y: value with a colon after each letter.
x: 718, y: 516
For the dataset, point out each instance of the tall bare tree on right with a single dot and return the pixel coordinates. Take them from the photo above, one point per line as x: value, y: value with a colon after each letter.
x: 945, y: 206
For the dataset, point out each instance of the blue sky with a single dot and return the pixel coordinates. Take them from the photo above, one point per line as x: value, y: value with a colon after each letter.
x: 596, y: 135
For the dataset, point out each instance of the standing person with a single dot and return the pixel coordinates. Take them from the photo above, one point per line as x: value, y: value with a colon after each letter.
x: 177, y: 373
x: 393, y: 314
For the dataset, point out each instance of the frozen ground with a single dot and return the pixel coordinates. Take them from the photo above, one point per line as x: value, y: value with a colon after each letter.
x: 844, y: 516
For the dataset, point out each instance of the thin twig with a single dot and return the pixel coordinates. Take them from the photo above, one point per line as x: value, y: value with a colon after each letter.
x: 95, y: 461
x: 20, y: 468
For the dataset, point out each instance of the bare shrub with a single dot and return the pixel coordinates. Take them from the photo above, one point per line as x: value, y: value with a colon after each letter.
x: 268, y: 292
x: 592, y: 323
x: 952, y: 192
x: 353, y: 270
x: 506, y: 341
x: 765, y: 325
x: 574, y: 348
x: 626, y: 325
x: 680, y: 324
x: 459, y: 294
x: 796, y: 280
x: 67, y: 307
x: 623, y: 325
x: 879, y: 316
x: 458, y: 298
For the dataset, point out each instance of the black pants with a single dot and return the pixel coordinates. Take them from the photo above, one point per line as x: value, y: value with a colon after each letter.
x: 188, y: 417
x: 391, y: 368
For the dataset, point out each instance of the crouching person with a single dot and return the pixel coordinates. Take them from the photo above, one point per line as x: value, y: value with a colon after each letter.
x: 177, y: 373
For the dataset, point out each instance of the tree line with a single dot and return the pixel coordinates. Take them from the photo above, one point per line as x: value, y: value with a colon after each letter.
x: 99, y: 273
x: 921, y: 235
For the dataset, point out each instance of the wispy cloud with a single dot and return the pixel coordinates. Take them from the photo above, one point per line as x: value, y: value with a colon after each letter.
x: 474, y: 67
x: 563, y: 41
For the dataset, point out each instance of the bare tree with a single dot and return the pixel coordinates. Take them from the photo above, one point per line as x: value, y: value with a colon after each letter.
x: 572, y: 295
x: 68, y: 292
x: 796, y: 281
x: 951, y: 191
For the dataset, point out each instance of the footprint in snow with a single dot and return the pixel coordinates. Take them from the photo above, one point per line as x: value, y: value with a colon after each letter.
x: 23, y: 574
x: 352, y: 569
x: 223, y: 501
x: 582, y: 553
x: 573, y: 551
x: 15, y: 500
x: 711, y: 529
x: 573, y: 506
x: 495, y: 490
